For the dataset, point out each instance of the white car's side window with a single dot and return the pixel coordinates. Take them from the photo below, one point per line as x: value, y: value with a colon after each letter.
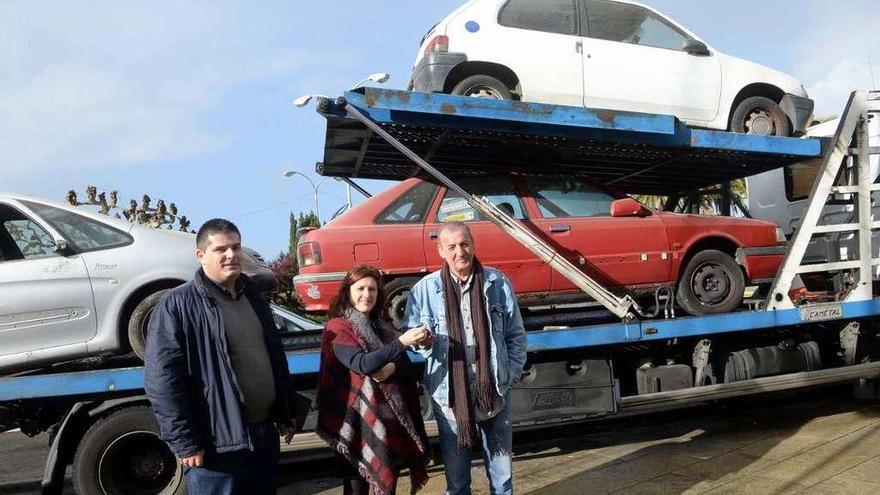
x: 21, y: 238
x: 549, y: 16
x: 632, y: 24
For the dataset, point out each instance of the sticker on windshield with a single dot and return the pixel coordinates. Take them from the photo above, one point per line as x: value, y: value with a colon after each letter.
x: 453, y: 205
x: 464, y: 216
x: 472, y: 26
x: 456, y: 210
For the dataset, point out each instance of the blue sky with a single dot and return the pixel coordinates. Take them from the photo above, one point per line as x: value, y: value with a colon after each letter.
x: 191, y: 101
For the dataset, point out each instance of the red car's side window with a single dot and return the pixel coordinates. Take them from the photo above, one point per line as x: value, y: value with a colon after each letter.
x: 411, y: 207
x: 499, y: 191
x: 559, y: 197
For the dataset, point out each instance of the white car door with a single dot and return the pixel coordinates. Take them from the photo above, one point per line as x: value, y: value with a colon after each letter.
x: 539, y: 41
x: 634, y: 59
x: 45, y: 298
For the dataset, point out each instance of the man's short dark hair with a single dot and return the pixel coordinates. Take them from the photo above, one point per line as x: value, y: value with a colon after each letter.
x: 214, y: 226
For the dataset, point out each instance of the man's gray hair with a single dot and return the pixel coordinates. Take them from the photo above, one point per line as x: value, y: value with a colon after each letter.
x: 455, y: 227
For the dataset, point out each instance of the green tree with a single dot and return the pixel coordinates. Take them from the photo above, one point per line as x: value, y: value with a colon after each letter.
x: 291, y: 243
x: 286, y: 265
x: 708, y: 199
x: 304, y: 220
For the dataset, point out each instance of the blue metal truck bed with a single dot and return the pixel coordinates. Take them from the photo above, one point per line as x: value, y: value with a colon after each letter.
x: 461, y: 136
x: 84, y: 383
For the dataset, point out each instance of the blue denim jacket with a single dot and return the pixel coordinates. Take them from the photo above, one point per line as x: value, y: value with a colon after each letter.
x: 426, y: 306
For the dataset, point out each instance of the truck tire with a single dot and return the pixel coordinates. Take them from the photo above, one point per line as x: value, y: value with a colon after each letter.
x: 482, y: 86
x: 137, y: 323
x: 711, y: 283
x: 396, y: 293
x: 123, y: 454
x: 759, y: 115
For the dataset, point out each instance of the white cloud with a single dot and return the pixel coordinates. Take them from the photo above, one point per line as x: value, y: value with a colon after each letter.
x: 92, y: 85
x: 835, y: 48
x: 832, y: 91
x: 81, y: 116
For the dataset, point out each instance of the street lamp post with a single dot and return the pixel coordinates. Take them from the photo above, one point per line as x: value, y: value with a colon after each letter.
x: 302, y: 101
x: 291, y: 173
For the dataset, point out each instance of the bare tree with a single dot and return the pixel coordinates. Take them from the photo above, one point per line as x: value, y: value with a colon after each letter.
x: 143, y: 213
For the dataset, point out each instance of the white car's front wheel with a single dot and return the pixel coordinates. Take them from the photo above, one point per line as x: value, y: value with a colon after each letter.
x: 482, y: 86
x: 760, y: 115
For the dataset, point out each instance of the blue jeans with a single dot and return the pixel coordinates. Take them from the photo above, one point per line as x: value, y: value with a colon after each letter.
x: 242, y: 471
x: 497, y: 441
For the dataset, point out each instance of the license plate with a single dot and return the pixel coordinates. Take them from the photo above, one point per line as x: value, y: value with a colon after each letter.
x: 554, y: 399
x: 821, y: 312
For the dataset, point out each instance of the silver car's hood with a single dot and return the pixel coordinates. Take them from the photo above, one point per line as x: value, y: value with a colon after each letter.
x: 181, y: 248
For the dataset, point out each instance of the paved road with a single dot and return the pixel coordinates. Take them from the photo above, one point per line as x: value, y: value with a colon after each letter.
x: 829, y: 443
x: 21, y: 462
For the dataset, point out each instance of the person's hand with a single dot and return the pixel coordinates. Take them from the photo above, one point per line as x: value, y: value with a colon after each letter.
x: 288, y: 431
x: 416, y: 336
x: 195, y: 460
x: 384, y: 372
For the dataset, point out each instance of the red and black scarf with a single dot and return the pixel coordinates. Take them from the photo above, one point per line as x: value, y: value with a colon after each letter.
x: 376, y: 426
x: 460, y: 394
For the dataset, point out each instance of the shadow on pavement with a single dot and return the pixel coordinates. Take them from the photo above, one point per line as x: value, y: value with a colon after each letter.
x: 743, y: 446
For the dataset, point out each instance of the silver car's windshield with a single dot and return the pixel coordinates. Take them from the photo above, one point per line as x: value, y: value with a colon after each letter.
x: 290, y: 321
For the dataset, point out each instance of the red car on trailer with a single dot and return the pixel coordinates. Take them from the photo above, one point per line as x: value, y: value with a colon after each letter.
x: 709, y: 260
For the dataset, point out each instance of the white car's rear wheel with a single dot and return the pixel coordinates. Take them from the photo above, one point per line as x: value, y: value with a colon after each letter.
x: 482, y: 86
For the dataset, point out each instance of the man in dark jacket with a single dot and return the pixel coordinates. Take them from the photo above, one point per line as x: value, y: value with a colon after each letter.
x: 216, y: 374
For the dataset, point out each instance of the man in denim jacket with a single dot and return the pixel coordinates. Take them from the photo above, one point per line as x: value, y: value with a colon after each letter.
x: 477, y: 355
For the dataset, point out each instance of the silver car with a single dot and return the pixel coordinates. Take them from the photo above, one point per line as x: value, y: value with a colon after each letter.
x: 77, y: 284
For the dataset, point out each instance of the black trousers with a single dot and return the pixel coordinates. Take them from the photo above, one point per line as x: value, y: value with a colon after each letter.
x: 355, y: 486
x: 352, y: 481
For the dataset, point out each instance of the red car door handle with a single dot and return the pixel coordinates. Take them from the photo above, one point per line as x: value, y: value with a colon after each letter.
x: 433, y: 234
x: 559, y: 228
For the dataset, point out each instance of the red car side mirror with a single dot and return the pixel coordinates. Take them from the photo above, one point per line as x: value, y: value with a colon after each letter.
x: 628, y: 207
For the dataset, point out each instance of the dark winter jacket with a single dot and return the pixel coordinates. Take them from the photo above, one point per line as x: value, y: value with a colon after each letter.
x: 189, y: 377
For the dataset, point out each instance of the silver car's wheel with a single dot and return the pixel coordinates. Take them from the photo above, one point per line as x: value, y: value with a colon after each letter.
x: 140, y: 319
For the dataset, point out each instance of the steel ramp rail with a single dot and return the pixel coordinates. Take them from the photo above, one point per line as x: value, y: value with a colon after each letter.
x: 742, y: 388
x: 850, y: 142
x: 622, y: 307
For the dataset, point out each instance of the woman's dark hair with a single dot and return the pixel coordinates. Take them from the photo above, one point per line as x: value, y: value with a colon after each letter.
x: 342, y: 300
